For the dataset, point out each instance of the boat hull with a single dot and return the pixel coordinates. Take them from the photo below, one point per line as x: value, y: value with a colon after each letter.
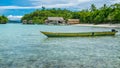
x: 80, y: 34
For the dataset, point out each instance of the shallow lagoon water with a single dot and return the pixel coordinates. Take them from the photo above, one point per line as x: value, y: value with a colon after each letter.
x: 23, y: 46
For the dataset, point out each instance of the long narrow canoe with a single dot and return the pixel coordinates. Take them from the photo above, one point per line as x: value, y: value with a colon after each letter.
x: 79, y: 34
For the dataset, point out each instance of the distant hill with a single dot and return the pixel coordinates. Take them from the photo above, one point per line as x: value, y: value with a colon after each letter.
x: 14, y: 21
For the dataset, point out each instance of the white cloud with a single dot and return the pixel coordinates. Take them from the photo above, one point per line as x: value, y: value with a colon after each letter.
x: 11, y: 17
x: 56, y: 2
x: 59, y: 5
x: 36, y: 7
x: 15, y: 7
x: 35, y: 4
x: 81, y: 1
x: 48, y: 4
x: 115, y: 1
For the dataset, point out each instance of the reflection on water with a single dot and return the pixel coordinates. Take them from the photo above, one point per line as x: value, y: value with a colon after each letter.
x: 23, y: 46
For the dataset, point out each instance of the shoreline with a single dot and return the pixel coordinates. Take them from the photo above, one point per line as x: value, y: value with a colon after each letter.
x: 99, y: 25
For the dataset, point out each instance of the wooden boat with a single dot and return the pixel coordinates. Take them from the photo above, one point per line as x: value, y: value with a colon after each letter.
x: 80, y: 34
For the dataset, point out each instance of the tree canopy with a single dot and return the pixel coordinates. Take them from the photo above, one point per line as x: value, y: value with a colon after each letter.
x: 3, y: 19
x: 105, y: 14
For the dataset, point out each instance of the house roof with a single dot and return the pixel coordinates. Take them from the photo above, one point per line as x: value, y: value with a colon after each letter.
x: 73, y: 19
x: 55, y: 18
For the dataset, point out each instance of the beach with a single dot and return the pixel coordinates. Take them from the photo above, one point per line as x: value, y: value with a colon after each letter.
x: 99, y: 25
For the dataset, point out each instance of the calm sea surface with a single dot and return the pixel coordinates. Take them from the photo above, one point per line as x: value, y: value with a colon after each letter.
x: 23, y: 46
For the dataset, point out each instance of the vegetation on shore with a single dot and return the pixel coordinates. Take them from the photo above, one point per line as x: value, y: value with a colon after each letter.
x: 105, y: 14
x: 3, y: 19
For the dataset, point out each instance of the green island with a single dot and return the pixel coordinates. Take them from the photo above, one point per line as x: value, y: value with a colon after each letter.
x: 3, y: 19
x: 103, y: 15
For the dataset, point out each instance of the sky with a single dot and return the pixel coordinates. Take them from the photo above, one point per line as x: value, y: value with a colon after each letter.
x: 15, y: 9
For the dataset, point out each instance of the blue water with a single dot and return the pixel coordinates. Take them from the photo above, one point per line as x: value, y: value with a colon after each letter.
x: 23, y: 46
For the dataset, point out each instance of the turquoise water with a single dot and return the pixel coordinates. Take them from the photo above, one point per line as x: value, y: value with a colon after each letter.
x: 23, y: 46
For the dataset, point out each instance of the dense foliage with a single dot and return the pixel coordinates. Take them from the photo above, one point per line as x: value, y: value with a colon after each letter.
x: 105, y: 14
x: 3, y: 19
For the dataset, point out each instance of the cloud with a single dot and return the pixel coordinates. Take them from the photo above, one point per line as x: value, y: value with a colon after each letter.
x: 16, y: 7
x: 36, y: 4
x: 115, y: 1
x: 37, y: 7
x: 81, y: 1
x: 56, y: 2
x: 11, y: 17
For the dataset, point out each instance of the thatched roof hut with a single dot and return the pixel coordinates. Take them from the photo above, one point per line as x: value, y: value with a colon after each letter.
x: 24, y: 21
x: 55, y: 20
x: 73, y: 21
x: 30, y: 22
x: 27, y: 22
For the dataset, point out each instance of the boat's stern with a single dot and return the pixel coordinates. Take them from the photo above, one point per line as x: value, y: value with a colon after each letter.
x: 113, y: 30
